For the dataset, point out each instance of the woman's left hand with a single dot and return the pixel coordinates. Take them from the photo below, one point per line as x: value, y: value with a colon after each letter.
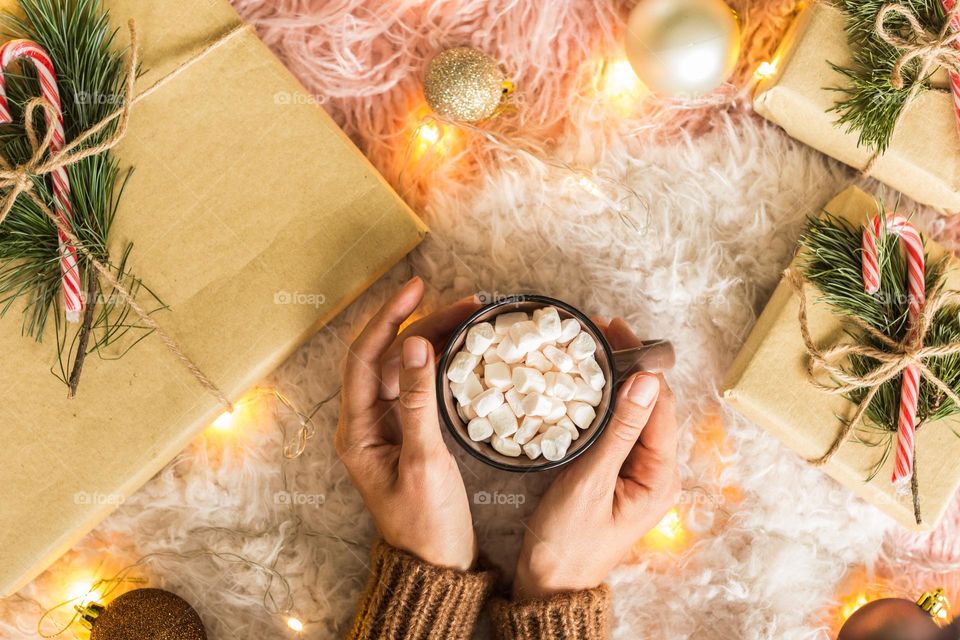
x: 389, y: 437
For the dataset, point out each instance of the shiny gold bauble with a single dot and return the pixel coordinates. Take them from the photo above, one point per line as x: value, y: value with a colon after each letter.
x: 144, y: 614
x: 464, y: 84
x: 682, y: 48
x: 890, y: 619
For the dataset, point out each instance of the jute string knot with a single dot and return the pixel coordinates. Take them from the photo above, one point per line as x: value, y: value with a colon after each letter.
x: 892, y: 356
x: 18, y: 180
x: 932, y: 49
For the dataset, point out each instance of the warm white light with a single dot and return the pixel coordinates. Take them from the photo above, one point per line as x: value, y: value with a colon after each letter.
x: 765, y: 70
x: 620, y: 79
x: 670, y: 526
x: 83, y: 592
x: 224, y: 421
x: 295, y: 624
x: 429, y: 133
x: 854, y: 605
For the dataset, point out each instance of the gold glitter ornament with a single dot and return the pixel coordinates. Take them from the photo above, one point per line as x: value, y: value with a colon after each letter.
x: 141, y: 614
x: 465, y: 84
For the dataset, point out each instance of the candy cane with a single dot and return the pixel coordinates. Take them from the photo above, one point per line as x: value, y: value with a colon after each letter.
x: 954, y: 76
x: 27, y: 50
x: 916, y: 291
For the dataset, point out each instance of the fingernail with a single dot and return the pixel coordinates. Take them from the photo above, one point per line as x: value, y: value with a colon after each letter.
x: 411, y: 281
x: 643, y: 390
x: 414, y: 353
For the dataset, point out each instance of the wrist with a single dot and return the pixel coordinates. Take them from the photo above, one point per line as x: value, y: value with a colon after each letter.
x: 544, y: 578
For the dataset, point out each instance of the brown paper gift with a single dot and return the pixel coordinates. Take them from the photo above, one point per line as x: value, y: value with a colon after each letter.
x: 768, y: 384
x: 252, y: 216
x: 923, y: 160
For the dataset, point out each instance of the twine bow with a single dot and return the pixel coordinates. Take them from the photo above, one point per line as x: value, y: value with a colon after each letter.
x: 932, y: 49
x: 892, y: 357
x: 18, y: 181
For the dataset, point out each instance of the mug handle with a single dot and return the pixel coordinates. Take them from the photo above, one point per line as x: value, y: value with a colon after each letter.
x: 654, y: 356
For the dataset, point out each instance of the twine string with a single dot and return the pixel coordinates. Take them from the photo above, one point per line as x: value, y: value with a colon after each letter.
x: 20, y: 180
x: 892, y: 359
x: 932, y: 49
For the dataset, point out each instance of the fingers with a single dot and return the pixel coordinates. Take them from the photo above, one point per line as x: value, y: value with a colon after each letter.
x: 635, y: 402
x: 361, y: 378
x: 621, y: 336
x: 436, y: 328
x: 653, y: 462
x: 417, y: 404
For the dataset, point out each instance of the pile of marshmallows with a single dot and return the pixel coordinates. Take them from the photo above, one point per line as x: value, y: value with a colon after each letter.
x: 538, y: 383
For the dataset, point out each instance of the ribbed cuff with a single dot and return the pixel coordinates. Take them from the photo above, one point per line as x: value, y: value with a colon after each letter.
x: 407, y: 599
x: 578, y: 615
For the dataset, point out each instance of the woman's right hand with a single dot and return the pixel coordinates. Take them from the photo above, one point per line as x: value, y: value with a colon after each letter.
x: 604, y: 501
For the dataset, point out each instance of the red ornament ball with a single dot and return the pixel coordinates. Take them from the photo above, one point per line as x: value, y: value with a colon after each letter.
x: 890, y: 619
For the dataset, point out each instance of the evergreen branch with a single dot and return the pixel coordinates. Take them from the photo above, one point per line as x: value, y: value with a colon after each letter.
x: 832, y: 262
x: 872, y: 104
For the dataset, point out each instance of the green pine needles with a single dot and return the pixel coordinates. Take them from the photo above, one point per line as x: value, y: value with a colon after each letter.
x: 90, y: 71
x: 872, y: 104
x: 831, y: 261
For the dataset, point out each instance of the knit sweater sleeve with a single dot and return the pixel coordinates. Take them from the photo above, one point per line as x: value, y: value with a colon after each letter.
x: 579, y: 615
x: 407, y: 599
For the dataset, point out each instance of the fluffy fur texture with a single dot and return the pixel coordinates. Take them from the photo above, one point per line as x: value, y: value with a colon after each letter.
x: 772, y: 544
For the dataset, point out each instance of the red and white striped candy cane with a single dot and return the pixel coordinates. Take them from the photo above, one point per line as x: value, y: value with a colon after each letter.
x: 916, y: 291
x: 954, y: 76
x: 27, y: 50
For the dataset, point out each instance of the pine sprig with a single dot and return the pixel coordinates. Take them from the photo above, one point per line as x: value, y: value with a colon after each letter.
x: 872, y: 104
x: 832, y: 262
x: 90, y: 72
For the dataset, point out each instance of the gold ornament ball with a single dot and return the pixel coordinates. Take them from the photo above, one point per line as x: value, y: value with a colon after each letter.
x: 148, y: 613
x: 890, y: 619
x: 464, y: 84
x: 682, y: 48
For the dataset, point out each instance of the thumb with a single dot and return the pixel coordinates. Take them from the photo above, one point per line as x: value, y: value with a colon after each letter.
x: 635, y: 403
x: 420, y: 423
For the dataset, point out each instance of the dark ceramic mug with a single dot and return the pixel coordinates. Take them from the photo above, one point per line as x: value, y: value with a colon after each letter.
x: 654, y: 356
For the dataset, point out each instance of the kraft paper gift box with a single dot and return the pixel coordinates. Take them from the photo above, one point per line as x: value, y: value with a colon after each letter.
x: 246, y: 199
x: 923, y: 159
x: 768, y: 384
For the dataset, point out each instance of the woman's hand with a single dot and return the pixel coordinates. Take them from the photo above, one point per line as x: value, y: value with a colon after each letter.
x: 389, y: 435
x: 605, y: 500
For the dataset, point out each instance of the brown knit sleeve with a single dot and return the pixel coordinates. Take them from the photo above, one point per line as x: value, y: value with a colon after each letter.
x: 407, y: 599
x: 579, y: 615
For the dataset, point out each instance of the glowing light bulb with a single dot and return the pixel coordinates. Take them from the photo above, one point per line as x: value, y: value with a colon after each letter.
x: 295, y: 624
x: 429, y: 133
x: 83, y: 592
x: 224, y: 421
x: 854, y: 605
x: 670, y: 527
x: 766, y: 69
x: 620, y: 80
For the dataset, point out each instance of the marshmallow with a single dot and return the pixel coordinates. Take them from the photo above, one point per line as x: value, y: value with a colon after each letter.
x: 536, y: 360
x: 526, y: 336
x: 515, y: 399
x: 479, y: 429
x: 504, y: 421
x: 490, y: 356
x: 528, y: 380
x: 509, y: 352
x: 554, y: 443
x: 461, y: 366
x: 571, y: 428
x: 506, y: 446
x: 569, y: 329
x: 560, y: 385
x: 480, y: 337
x: 559, y: 358
x: 548, y: 323
x: 506, y: 320
x: 486, y: 402
x: 585, y: 393
x: 592, y: 373
x: 537, y: 404
x: 467, y: 390
x: 498, y: 376
x: 583, y: 346
x: 581, y: 413
x: 528, y: 430
x: 557, y: 411
x: 532, y: 448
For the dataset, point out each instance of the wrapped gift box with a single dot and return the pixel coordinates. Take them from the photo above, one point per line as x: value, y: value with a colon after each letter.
x: 768, y: 383
x: 923, y: 159
x: 253, y: 217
